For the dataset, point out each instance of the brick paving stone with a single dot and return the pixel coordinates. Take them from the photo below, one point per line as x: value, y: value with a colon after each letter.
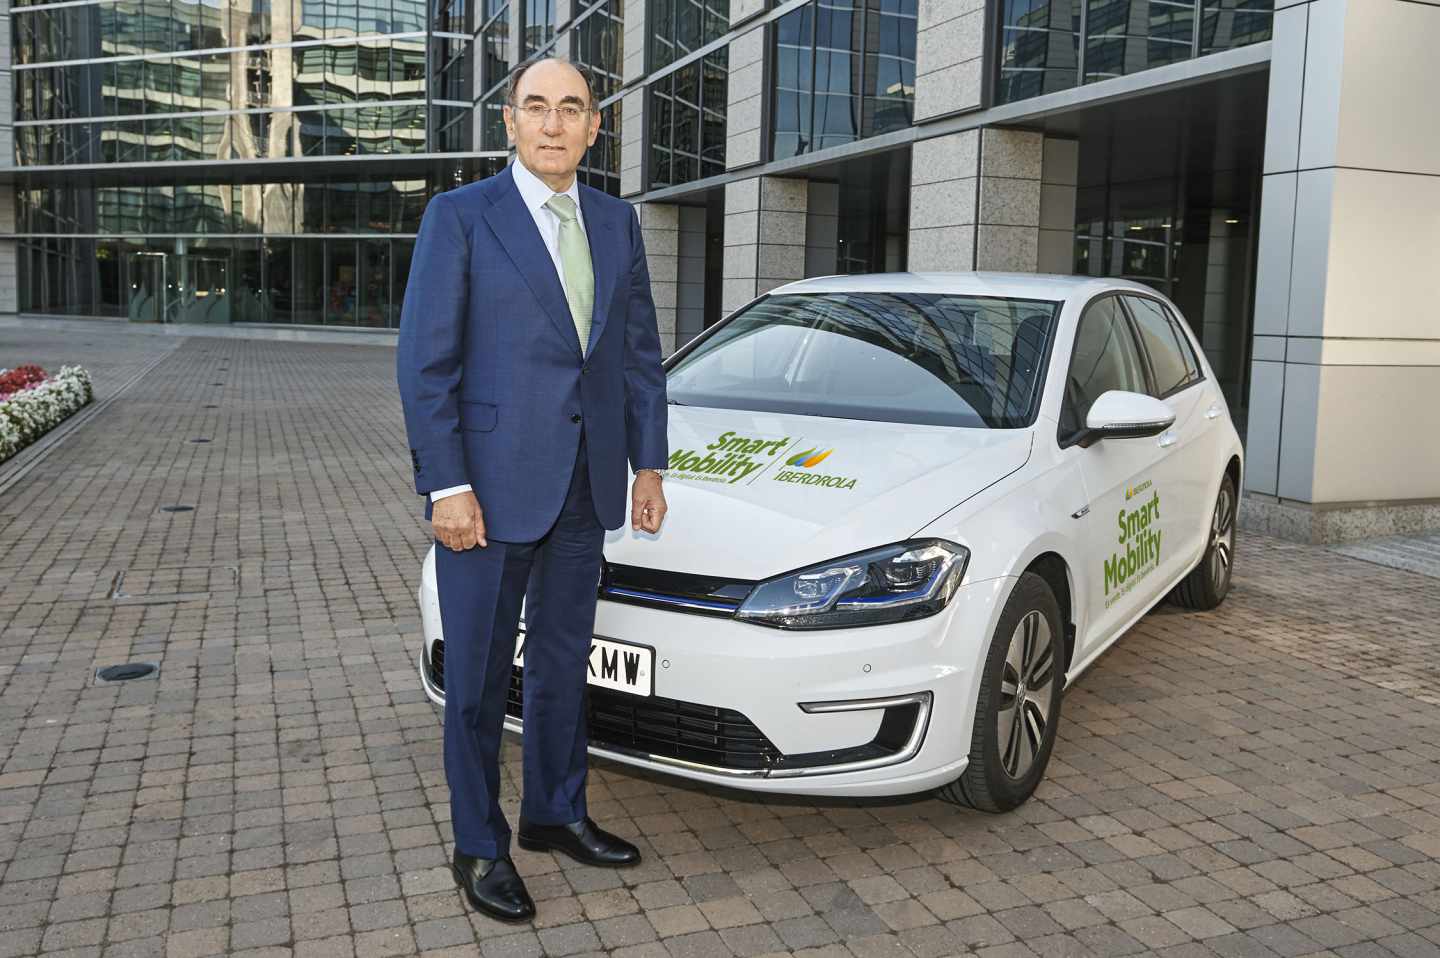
x: 701, y: 944
x: 1260, y: 780
x: 523, y: 945
x: 750, y: 940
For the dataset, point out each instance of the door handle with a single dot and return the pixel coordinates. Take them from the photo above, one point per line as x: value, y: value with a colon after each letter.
x: 1213, y: 412
x: 1168, y: 439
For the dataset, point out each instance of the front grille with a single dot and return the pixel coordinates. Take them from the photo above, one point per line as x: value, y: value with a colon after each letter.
x: 652, y: 725
x: 668, y: 728
x: 678, y: 591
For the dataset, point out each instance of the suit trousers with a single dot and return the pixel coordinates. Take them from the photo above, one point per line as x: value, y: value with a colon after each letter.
x: 480, y: 592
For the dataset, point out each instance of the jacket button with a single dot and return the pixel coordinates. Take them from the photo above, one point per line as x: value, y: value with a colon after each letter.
x: 575, y: 418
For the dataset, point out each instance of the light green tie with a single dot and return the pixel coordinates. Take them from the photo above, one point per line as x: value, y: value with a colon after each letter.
x: 579, y: 274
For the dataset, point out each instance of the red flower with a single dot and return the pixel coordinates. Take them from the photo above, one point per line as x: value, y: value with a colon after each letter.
x: 21, y: 377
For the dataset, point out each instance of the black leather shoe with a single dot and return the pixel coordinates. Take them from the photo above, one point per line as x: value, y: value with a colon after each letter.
x: 583, y: 841
x: 493, y: 886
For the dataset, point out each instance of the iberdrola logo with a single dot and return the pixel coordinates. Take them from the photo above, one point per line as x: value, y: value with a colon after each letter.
x: 808, y: 459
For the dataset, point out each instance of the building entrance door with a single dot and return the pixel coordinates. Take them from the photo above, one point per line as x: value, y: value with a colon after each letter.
x: 204, y: 289
x: 149, y: 287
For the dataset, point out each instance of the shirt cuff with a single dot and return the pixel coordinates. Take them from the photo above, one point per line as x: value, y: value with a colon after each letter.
x: 439, y: 494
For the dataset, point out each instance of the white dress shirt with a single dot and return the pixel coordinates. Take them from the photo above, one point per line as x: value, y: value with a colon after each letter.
x: 535, y: 194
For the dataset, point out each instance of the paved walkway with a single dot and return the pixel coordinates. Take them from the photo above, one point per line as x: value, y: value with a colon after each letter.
x: 1263, y: 780
x: 1414, y: 553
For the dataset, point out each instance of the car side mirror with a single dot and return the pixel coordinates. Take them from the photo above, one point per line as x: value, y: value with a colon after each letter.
x: 1125, y: 415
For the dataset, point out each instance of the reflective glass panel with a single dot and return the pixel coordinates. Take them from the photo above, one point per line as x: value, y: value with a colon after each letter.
x: 844, y: 70
x: 687, y: 122
x: 1039, y: 47
x: 539, y: 24
x: 679, y: 27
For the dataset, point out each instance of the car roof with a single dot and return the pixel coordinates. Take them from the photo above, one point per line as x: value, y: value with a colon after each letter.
x: 1050, y: 286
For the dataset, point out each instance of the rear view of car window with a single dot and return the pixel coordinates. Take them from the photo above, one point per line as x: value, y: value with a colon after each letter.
x: 1105, y: 358
x: 1171, y: 360
x: 926, y: 358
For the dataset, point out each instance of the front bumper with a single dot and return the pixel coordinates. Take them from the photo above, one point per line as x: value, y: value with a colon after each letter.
x: 882, y: 710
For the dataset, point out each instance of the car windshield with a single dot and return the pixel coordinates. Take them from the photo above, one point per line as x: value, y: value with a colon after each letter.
x: 929, y: 358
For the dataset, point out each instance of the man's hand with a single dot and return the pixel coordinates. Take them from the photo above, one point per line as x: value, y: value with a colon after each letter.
x: 457, y: 521
x: 647, y: 502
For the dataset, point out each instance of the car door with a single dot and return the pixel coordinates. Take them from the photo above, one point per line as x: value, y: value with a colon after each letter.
x: 1187, y: 471
x: 1120, y: 519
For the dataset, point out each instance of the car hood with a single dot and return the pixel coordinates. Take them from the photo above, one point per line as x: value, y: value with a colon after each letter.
x: 754, y: 494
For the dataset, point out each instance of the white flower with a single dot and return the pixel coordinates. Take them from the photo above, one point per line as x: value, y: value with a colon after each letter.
x: 27, y: 415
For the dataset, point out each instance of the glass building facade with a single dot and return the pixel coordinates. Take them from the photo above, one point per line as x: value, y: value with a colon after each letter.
x: 597, y: 42
x: 220, y: 109
x: 1052, y: 45
x: 687, y: 122
x: 680, y: 27
x: 844, y: 70
x: 686, y: 135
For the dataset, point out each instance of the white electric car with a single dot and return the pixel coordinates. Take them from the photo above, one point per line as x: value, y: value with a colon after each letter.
x: 905, y: 511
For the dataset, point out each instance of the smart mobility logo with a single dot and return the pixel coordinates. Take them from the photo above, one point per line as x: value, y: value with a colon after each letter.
x: 808, y: 459
x: 732, y: 458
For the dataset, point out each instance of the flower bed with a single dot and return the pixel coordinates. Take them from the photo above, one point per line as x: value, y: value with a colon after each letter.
x: 21, y: 377
x: 32, y: 404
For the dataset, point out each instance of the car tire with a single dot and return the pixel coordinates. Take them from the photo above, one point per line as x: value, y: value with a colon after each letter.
x: 1209, y: 582
x: 1015, y: 721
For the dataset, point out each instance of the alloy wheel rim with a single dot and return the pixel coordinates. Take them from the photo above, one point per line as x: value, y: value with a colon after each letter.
x: 1222, y: 540
x: 1026, y: 686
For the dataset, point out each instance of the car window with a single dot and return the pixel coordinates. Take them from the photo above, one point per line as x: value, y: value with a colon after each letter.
x: 1171, y: 360
x: 1105, y: 358
x: 929, y: 358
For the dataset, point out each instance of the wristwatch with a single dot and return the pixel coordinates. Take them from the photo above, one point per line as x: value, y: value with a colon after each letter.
x: 659, y: 473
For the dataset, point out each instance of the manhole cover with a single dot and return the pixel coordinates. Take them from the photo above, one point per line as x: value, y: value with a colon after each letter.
x: 126, y: 672
x: 177, y: 508
x: 199, y: 440
x: 212, y: 405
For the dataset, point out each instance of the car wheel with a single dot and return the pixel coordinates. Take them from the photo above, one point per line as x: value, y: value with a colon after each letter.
x: 1019, y: 704
x: 1209, y: 582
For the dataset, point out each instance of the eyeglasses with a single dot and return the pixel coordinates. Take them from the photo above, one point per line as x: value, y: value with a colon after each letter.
x: 569, y: 113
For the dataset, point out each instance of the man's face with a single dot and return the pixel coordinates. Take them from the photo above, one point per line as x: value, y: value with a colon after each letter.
x: 550, y: 146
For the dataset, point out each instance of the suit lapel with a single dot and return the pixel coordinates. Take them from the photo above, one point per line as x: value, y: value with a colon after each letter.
x: 513, y: 225
x: 604, y: 260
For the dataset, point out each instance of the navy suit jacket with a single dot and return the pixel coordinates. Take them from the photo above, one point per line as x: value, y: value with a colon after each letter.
x: 494, y: 387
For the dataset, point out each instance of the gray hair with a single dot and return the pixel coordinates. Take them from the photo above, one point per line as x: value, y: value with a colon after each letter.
x: 514, y: 86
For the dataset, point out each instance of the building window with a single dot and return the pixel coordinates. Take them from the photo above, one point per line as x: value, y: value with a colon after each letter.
x: 687, y: 122
x: 495, y: 44
x: 452, y: 16
x: 844, y: 70
x: 680, y: 27
x: 597, y: 43
x: 1127, y: 36
x: 539, y: 24
x: 1226, y: 24
x: 1039, y: 48
x: 1046, y: 45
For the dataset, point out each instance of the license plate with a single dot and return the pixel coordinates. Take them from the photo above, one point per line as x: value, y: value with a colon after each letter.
x: 613, y: 665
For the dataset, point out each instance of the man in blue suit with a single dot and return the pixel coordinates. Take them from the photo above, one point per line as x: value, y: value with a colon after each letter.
x: 529, y: 369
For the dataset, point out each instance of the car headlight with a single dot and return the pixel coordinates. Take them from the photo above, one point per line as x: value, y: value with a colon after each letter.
x: 907, y: 580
